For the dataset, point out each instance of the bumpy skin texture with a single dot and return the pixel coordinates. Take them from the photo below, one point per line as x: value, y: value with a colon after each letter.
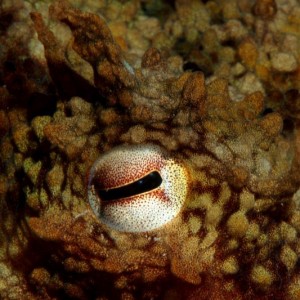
x: 237, y: 235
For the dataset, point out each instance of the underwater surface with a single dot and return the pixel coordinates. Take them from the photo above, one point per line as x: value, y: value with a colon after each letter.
x: 150, y: 149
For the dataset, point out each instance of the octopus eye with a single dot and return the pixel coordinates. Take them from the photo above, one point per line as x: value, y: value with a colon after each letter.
x: 147, y: 183
x: 137, y: 188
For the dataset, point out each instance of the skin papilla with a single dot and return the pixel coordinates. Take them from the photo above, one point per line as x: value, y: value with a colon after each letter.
x: 212, y: 87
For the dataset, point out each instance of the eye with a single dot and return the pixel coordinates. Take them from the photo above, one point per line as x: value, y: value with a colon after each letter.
x: 137, y: 188
x: 147, y: 183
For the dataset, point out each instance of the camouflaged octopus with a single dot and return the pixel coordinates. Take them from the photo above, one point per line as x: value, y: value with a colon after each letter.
x: 132, y: 141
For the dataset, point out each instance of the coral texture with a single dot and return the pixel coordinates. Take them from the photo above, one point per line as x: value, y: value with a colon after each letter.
x: 213, y: 83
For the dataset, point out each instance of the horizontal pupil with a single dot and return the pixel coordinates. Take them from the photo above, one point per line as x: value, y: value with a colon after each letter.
x: 145, y: 184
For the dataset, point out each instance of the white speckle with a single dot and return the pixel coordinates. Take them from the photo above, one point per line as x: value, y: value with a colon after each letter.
x: 284, y: 61
x: 128, y: 67
x: 81, y: 215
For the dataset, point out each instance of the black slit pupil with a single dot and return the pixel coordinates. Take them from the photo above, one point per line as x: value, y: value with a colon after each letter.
x: 145, y: 184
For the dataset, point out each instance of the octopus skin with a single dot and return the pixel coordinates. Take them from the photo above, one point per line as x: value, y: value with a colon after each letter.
x: 73, y: 227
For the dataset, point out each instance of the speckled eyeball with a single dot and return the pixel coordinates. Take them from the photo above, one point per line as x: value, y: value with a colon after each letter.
x: 137, y: 188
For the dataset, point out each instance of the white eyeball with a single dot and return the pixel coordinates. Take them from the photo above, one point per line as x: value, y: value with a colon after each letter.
x: 137, y: 188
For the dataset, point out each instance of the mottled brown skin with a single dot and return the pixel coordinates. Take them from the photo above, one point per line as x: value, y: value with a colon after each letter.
x: 237, y: 236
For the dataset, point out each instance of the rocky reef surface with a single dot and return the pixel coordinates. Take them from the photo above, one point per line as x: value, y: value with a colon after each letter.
x: 214, y: 83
